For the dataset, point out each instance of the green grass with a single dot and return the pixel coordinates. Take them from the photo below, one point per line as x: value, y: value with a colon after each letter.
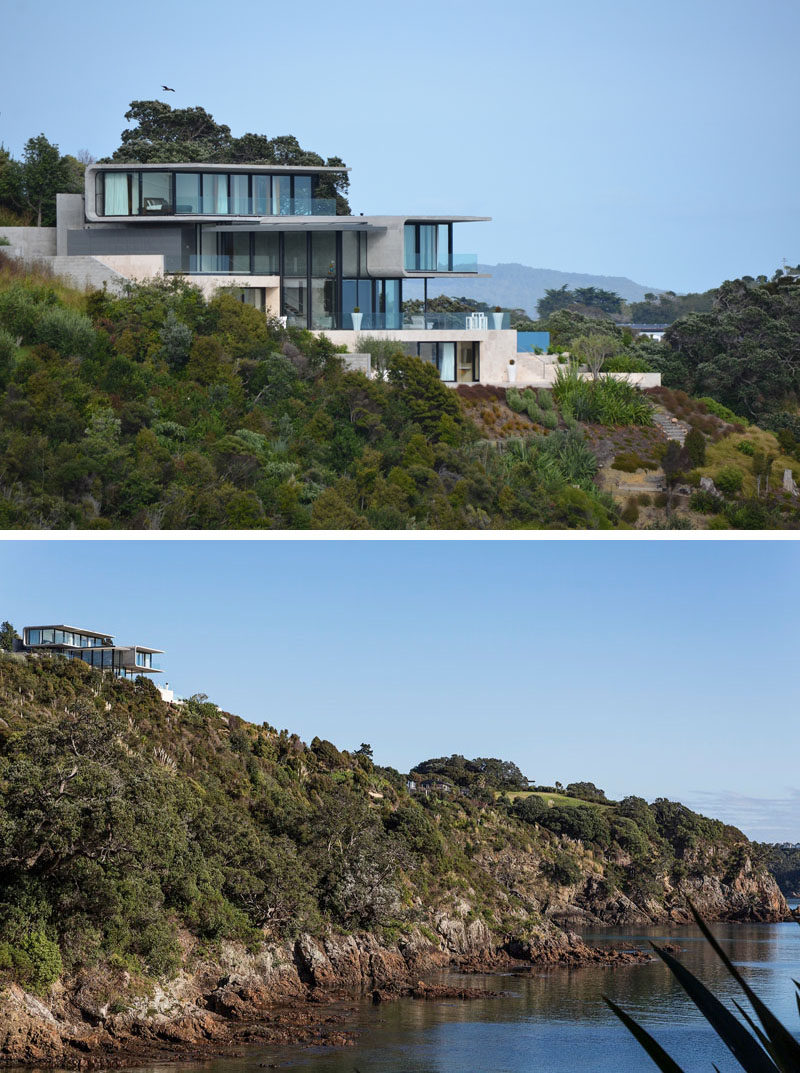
x: 555, y: 799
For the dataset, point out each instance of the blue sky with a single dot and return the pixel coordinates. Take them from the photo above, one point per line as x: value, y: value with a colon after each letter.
x: 655, y: 141
x: 656, y: 668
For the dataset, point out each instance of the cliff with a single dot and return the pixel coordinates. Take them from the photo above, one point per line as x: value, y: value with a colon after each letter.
x: 177, y: 882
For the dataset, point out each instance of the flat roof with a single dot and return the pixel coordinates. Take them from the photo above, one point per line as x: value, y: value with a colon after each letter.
x: 71, y: 629
x: 199, y: 165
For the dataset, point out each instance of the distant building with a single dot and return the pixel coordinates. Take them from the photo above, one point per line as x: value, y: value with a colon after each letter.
x: 95, y: 648
x: 652, y: 331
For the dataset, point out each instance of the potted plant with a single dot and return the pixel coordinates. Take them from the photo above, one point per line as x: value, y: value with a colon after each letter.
x: 356, y: 315
x: 512, y: 371
x: 497, y: 318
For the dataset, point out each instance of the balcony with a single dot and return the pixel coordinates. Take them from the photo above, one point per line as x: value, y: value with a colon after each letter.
x: 450, y: 322
x: 454, y: 262
x: 212, y: 264
x: 247, y: 206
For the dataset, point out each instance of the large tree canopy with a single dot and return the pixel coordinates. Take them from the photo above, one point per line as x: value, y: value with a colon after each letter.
x: 591, y: 300
x: 160, y: 134
x: 29, y: 187
x: 745, y: 352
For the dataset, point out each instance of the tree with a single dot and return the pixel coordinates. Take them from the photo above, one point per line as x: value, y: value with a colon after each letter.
x: 8, y: 635
x: 594, y: 349
x: 674, y: 462
x: 162, y: 135
x: 31, y: 186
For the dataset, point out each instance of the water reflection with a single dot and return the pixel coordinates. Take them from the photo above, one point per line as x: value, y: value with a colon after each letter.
x: 555, y: 1021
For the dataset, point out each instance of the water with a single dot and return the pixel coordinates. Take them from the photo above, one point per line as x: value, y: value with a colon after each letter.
x: 555, y: 1021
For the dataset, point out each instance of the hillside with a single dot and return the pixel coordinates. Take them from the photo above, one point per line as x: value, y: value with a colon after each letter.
x: 516, y: 286
x: 168, y: 874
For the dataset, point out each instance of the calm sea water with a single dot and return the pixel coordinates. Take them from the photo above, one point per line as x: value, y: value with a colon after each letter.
x: 556, y: 1021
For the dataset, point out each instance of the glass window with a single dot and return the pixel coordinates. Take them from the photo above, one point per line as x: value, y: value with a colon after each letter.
x: 33, y: 637
x: 427, y: 351
x: 209, y: 261
x: 350, y: 254
x: 47, y: 637
x: 261, y: 200
x: 240, y: 194
x: 281, y: 195
x: 156, y: 193
x: 302, y: 195
x: 121, y: 193
x: 323, y: 303
x: 295, y: 302
x: 447, y: 361
x: 391, y: 302
x: 187, y: 192
x: 443, y: 247
x: 295, y: 260
x: 241, y: 252
x: 427, y: 247
x: 266, y: 260
x: 323, y: 254
x: 410, y: 239
x: 215, y: 194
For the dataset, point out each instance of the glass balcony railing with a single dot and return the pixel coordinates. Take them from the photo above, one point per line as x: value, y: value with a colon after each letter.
x: 456, y: 262
x: 218, y: 265
x: 242, y: 206
x: 458, y: 322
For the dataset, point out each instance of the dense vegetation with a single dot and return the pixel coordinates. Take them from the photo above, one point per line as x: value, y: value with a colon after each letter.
x: 784, y: 863
x: 125, y: 822
x: 160, y: 409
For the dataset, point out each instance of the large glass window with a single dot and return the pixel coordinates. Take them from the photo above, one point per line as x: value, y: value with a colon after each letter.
x: 323, y: 254
x: 323, y: 303
x: 295, y: 259
x: 215, y: 194
x: 33, y: 637
x: 121, y: 193
x: 281, y: 195
x: 447, y: 361
x: 47, y: 637
x: 266, y: 260
x: 187, y: 192
x: 295, y: 302
x: 302, y: 195
x: 427, y: 247
x: 156, y: 193
x: 261, y: 202
x: 240, y: 194
x: 350, y: 254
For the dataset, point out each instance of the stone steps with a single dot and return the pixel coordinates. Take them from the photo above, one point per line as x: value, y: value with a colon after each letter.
x: 671, y: 427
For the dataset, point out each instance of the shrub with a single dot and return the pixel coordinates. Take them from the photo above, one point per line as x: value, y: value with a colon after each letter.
x: 545, y: 399
x: 645, y: 500
x: 605, y: 401
x: 626, y: 363
x: 549, y: 419
x: 563, y: 870
x: 718, y: 410
x: 65, y: 330
x: 705, y: 502
x: 35, y: 962
x: 8, y: 349
x: 746, y: 447
x: 661, y: 499
x: 630, y: 461
x: 729, y: 480
x: 515, y: 401
x: 696, y: 447
x: 534, y: 413
x: 176, y: 341
x: 630, y: 513
x: 21, y: 306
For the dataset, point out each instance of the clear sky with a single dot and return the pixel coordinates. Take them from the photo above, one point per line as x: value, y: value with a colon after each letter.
x: 651, y: 140
x: 655, y: 668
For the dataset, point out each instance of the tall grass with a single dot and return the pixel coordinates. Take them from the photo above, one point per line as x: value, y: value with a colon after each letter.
x: 605, y: 401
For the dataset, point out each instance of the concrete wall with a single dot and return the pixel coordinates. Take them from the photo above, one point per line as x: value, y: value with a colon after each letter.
x: 496, y: 348
x: 132, y: 266
x: 359, y: 363
x: 69, y: 217
x: 125, y: 240
x: 29, y: 243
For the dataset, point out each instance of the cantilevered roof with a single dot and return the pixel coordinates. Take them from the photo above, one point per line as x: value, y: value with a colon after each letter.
x: 199, y: 165
x: 72, y: 629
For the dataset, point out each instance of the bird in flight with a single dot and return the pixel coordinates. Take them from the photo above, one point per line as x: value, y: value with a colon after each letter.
x: 169, y: 89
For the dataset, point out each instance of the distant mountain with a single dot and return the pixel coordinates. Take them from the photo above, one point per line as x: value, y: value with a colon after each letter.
x: 517, y: 286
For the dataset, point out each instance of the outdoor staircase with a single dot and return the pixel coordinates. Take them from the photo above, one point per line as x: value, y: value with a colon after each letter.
x: 670, y: 426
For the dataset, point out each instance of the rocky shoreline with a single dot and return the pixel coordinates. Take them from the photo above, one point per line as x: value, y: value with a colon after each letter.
x: 295, y: 995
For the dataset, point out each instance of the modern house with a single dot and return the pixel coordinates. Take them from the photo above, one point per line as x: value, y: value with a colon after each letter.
x: 92, y: 647
x: 264, y: 233
x: 269, y: 235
